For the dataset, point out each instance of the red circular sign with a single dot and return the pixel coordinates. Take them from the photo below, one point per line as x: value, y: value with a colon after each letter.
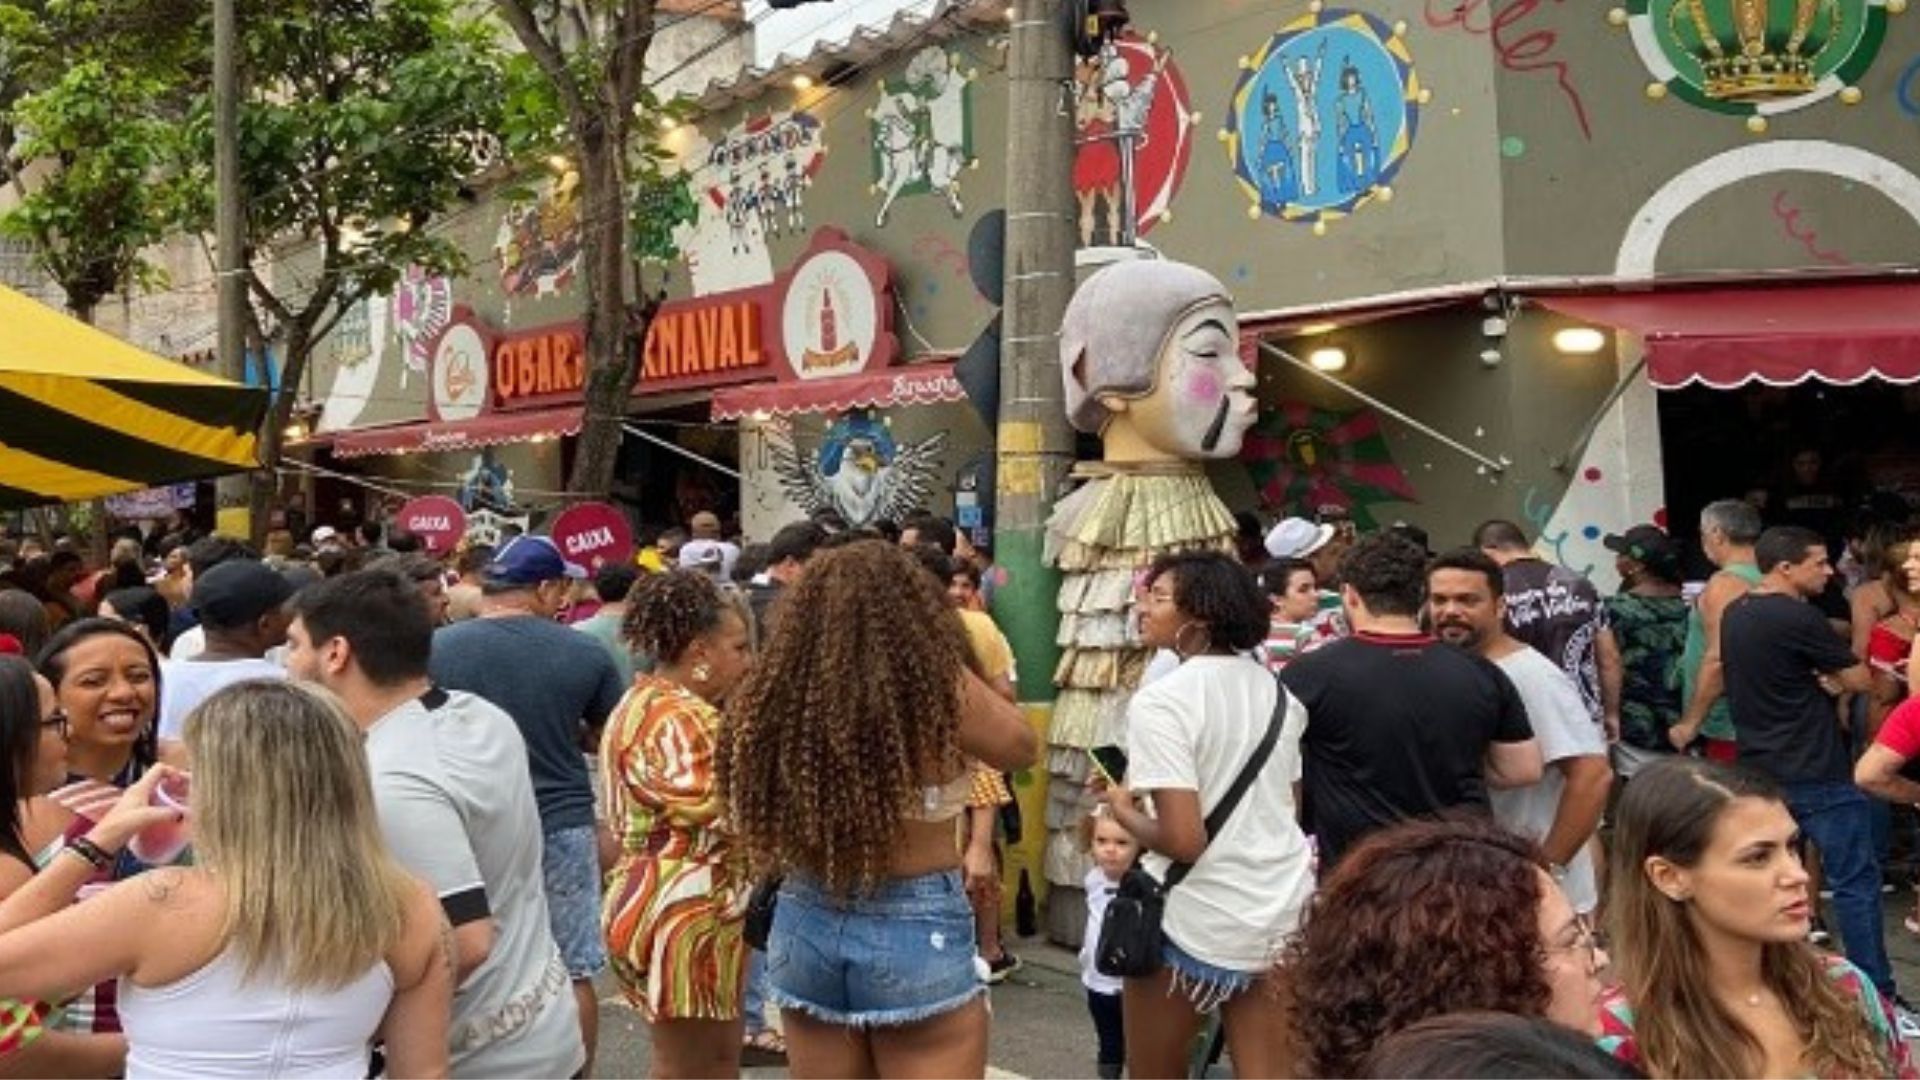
x: 593, y: 534
x: 437, y: 520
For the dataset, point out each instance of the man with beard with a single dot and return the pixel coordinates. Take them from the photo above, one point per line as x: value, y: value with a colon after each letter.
x: 1561, y: 812
x: 1558, y: 612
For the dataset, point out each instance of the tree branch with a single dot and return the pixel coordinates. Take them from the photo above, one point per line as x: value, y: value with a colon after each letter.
x: 519, y: 15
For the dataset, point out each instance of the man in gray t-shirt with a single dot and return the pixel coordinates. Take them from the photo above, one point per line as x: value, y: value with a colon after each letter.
x: 451, y: 784
x: 1561, y: 811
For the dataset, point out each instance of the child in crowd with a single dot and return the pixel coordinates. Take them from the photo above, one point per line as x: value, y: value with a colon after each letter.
x: 1113, y: 850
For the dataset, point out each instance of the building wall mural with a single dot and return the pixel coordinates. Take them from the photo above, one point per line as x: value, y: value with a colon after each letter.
x: 858, y: 469
x: 1323, y: 115
x: 537, y: 247
x: 922, y: 131
x: 1133, y: 114
x: 1756, y: 58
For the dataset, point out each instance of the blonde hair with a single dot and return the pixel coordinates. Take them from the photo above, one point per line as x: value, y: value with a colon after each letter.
x: 1090, y: 824
x: 283, y: 818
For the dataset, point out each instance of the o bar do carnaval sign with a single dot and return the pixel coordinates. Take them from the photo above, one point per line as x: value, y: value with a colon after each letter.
x: 830, y: 314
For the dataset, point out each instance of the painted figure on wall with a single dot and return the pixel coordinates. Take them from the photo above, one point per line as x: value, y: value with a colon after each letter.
x: 748, y: 187
x: 1279, y: 177
x: 1132, y: 89
x: 422, y: 307
x: 1150, y: 361
x: 538, y: 243
x: 1354, y: 128
x: 923, y: 132
x: 859, y: 470
x: 1302, y: 458
x: 1305, y: 77
x: 1351, y: 127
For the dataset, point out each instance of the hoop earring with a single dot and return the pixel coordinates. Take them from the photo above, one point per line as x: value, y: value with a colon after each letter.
x: 1205, y: 640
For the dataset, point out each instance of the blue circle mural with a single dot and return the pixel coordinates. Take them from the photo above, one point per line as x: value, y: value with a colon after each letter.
x: 1323, y: 116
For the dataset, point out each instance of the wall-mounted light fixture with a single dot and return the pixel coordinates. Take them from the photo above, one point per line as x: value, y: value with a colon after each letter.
x: 803, y: 82
x: 1330, y: 358
x: 1579, y: 340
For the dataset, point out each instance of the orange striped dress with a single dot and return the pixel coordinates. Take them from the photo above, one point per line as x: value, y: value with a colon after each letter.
x: 674, y: 901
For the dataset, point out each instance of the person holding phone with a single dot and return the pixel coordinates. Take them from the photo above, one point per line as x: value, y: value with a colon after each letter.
x: 1189, y: 735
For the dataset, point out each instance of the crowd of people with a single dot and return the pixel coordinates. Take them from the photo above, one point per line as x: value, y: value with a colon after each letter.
x: 399, y: 811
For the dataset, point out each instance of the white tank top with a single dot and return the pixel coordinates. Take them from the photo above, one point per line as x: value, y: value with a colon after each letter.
x: 210, y: 1024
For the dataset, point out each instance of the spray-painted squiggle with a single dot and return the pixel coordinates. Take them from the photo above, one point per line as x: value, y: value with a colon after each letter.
x: 1808, y: 237
x: 1538, y: 515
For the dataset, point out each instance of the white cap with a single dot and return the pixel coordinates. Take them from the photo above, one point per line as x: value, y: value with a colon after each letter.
x: 1297, y: 538
x: 325, y: 533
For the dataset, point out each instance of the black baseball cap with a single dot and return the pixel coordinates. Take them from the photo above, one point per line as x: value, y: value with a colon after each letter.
x: 1648, y: 544
x: 238, y: 591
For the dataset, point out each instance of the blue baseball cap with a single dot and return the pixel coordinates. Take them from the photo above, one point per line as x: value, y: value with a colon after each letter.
x: 530, y: 560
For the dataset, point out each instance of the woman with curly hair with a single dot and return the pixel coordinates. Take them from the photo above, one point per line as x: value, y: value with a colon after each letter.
x: 1433, y: 917
x: 1190, y: 734
x: 844, y: 760
x: 1709, y: 909
x: 675, y: 898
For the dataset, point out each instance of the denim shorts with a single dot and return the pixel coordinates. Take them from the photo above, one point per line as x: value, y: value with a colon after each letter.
x: 897, y: 955
x: 570, y: 865
x: 1206, y: 985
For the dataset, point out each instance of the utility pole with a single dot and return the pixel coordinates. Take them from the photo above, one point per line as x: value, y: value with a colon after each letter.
x: 230, y: 226
x: 1034, y: 444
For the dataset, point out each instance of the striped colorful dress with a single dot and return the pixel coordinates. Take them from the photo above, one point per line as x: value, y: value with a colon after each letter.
x: 675, y: 899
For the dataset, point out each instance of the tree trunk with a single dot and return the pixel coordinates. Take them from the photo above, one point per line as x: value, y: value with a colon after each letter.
x: 611, y: 355
x: 273, y: 431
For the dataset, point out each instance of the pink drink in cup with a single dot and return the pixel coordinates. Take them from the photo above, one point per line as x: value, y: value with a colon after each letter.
x: 158, y: 845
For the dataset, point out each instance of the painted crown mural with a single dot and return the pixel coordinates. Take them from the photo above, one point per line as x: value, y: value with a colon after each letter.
x: 1756, y: 57
x: 1749, y: 49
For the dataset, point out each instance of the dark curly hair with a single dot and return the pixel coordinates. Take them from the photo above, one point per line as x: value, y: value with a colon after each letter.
x: 1424, y: 918
x: 668, y: 612
x: 831, y: 737
x: 1388, y: 571
x: 1213, y: 587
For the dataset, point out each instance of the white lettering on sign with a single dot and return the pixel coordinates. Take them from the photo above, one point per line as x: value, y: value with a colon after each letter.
x: 430, y: 523
x: 589, y: 540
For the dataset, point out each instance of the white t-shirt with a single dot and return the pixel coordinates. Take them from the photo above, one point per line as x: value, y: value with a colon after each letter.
x: 191, y: 643
x: 455, y: 801
x: 1192, y: 730
x: 184, y: 684
x: 1565, y: 729
x: 1099, y: 891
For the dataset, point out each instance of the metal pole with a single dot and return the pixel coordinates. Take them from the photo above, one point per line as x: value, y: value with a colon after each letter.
x: 229, y: 239
x: 1428, y: 430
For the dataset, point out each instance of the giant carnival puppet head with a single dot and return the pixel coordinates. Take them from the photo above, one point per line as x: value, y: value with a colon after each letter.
x: 1150, y: 354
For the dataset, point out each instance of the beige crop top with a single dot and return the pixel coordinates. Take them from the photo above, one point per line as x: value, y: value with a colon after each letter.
x: 945, y: 801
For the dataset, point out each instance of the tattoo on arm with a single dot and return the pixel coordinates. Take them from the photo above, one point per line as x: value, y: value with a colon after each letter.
x: 160, y: 885
x: 447, y: 955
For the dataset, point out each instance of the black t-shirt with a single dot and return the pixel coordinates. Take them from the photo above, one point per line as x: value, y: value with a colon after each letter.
x: 1772, y: 647
x: 1559, y: 613
x: 1397, y: 727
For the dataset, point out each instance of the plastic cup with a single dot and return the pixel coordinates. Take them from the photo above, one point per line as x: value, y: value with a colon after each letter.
x: 160, y: 844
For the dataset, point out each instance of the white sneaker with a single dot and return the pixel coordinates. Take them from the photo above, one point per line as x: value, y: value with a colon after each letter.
x: 1904, y: 1022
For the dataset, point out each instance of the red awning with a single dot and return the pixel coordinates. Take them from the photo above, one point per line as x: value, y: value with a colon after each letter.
x: 1782, y: 336
x: 918, y: 384
x: 493, y: 430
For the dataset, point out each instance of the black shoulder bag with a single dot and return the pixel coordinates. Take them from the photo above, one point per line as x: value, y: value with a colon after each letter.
x: 1131, y: 943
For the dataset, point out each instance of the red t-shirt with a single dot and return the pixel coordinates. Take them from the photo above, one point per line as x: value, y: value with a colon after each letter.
x: 1901, y: 731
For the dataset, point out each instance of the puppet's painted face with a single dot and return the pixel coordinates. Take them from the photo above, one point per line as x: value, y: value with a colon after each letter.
x: 1201, y: 403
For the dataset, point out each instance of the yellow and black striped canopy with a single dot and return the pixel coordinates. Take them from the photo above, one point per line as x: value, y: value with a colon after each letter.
x: 85, y: 414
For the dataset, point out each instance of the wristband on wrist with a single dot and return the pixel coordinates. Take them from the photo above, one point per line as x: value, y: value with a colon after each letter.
x: 90, y: 851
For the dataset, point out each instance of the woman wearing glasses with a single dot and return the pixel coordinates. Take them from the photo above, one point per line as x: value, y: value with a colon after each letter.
x: 1427, y: 918
x: 1709, y: 908
x: 33, y: 740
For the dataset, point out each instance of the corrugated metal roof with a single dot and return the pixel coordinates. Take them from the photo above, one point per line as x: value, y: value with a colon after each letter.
x: 861, y: 46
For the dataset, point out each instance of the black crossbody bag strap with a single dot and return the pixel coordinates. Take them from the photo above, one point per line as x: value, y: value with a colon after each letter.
x: 1248, y: 772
